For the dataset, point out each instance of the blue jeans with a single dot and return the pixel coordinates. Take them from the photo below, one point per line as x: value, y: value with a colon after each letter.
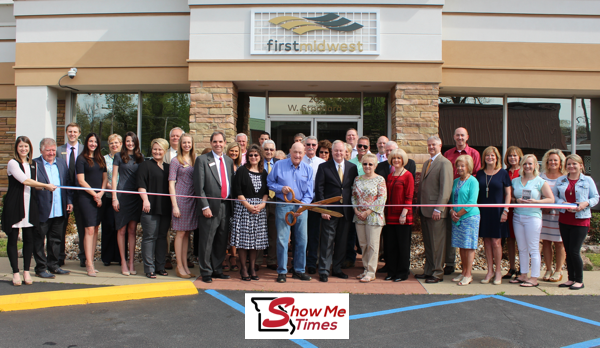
x: 283, y: 236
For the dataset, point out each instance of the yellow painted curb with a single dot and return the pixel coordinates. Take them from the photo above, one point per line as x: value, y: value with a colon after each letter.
x: 95, y: 295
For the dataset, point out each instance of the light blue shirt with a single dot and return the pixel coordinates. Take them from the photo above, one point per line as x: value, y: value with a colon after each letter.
x: 313, y: 163
x: 267, y: 164
x: 54, y: 177
x: 535, y: 186
x: 300, y: 179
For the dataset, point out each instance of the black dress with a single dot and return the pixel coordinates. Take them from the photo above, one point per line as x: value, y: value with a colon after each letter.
x: 90, y: 212
x: 249, y: 231
x: 490, y: 225
x: 130, y: 205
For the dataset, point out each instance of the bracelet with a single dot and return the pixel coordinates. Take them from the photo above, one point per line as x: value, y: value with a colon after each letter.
x: 403, y: 216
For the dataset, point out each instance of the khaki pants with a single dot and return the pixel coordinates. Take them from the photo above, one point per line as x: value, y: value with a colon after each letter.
x: 368, y: 238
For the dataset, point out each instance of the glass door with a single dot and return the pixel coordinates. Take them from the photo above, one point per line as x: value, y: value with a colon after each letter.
x: 282, y: 132
x: 332, y: 130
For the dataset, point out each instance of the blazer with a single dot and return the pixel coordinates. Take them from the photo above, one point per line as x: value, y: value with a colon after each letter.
x: 61, y: 152
x: 436, y: 185
x: 383, y: 168
x: 207, y: 182
x: 327, y: 185
x: 45, y: 197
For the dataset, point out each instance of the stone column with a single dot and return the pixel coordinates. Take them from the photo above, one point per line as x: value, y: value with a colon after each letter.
x: 415, y: 117
x: 213, y: 107
x: 60, y: 122
x: 8, y: 125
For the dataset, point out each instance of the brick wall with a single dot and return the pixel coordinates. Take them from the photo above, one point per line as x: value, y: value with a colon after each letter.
x: 60, y: 122
x: 8, y: 126
x: 213, y: 106
x: 415, y: 117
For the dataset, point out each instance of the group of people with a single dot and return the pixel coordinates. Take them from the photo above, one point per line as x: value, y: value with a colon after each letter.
x: 233, y: 198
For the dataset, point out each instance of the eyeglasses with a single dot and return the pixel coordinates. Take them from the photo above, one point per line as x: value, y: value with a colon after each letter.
x: 361, y: 146
x: 311, y: 145
x: 253, y: 155
x: 367, y: 164
x: 324, y: 152
x: 269, y: 149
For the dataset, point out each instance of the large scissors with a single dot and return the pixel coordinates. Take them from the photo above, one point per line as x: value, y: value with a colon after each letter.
x: 311, y: 208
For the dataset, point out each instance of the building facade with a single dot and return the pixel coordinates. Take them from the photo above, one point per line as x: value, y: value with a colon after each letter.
x: 382, y: 67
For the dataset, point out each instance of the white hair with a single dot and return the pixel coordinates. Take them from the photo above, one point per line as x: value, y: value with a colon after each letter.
x: 171, y: 132
x: 392, y: 143
x: 269, y: 141
x: 435, y: 138
x: 240, y: 134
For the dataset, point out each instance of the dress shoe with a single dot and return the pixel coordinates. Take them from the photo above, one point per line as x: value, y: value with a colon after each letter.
x: 207, y: 279
x: 169, y: 265
x: 323, y: 278
x: 220, y: 276
x: 281, y: 278
x: 45, y: 275
x: 573, y: 287
x: 564, y: 285
x: 190, y: 264
x: 388, y: 278
x: 383, y: 269
x: 341, y: 275
x: 301, y: 276
x: 347, y: 264
x: 421, y: 276
x: 106, y: 264
x: 312, y: 270
x: 448, y: 270
x: 272, y: 267
x: 399, y: 279
x: 433, y: 280
x: 82, y: 263
x: 59, y: 271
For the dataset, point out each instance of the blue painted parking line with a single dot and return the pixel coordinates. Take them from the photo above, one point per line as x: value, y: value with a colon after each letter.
x: 586, y: 344
x: 547, y: 310
x: 231, y: 303
x: 411, y: 308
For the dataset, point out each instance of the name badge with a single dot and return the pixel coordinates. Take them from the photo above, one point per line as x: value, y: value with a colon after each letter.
x: 186, y: 165
x: 63, y: 153
x: 211, y: 164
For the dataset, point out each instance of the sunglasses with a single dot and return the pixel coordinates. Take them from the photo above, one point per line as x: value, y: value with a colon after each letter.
x: 361, y: 146
x: 324, y: 152
x: 253, y: 155
x: 367, y: 164
x: 311, y: 145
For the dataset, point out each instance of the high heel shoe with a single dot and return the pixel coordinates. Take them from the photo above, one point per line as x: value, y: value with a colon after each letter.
x: 459, y: 278
x: 17, y: 283
x: 184, y: 276
x: 486, y: 281
x: 510, y: 274
x: 254, y: 277
x: 465, y: 281
x: 91, y: 272
x: 27, y: 281
x: 125, y: 273
x: 132, y: 270
x: 246, y: 279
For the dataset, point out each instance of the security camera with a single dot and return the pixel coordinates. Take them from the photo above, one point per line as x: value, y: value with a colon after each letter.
x: 72, y: 73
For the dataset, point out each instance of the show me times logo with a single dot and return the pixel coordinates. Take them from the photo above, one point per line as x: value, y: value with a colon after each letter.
x: 297, y: 316
x: 303, y: 25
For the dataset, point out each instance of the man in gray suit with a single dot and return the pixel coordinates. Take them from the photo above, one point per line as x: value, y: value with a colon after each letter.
x: 69, y: 153
x: 435, y: 188
x: 212, y: 178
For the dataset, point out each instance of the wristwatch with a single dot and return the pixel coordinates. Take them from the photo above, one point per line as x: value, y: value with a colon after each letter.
x: 506, y: 210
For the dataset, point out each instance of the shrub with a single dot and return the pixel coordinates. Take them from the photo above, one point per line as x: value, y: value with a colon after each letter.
x: 594, y: 232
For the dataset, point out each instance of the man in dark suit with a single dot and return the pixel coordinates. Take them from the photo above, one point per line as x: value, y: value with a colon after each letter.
x: 435, y: 188
x: 384, y: 169
x: 54, y: 208
x: 270, y: 160
x: 335, y: 178
x: 212, y: 178
x: 69, y: 152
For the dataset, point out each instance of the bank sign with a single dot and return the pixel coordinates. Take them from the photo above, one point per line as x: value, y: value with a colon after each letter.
x: 291, y: 32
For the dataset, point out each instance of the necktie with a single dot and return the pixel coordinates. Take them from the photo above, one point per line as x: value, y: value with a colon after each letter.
x: 271, y: 193
x: 428, y: 165
x: 72, y: 165
x: 223, y: 179
x: 340, y: 173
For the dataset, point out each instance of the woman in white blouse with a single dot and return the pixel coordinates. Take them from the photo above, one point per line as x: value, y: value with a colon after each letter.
x: 22, y: 212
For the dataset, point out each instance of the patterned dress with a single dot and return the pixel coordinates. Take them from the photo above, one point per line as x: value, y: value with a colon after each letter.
x: 371, y: 194
x: 183, y: 175
x: 550, y: 229
x: 249, y: 231
x: 465, y: 235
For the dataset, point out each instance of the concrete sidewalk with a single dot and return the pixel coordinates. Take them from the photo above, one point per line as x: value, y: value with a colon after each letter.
x: 111, y: 275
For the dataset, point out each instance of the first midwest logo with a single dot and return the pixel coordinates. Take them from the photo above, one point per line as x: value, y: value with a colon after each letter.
x: 302, y: 25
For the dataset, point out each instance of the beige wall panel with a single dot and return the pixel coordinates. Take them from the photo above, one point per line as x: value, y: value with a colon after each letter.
x: 522, y: 55
x: 7, y: 74
x: 555, y: 83
x: 103, y: 77
x: 102, y: 54
x: 315, y: 71
x: 8, y: 92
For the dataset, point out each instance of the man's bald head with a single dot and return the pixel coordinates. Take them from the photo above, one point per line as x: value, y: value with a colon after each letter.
x: 460, y: 138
